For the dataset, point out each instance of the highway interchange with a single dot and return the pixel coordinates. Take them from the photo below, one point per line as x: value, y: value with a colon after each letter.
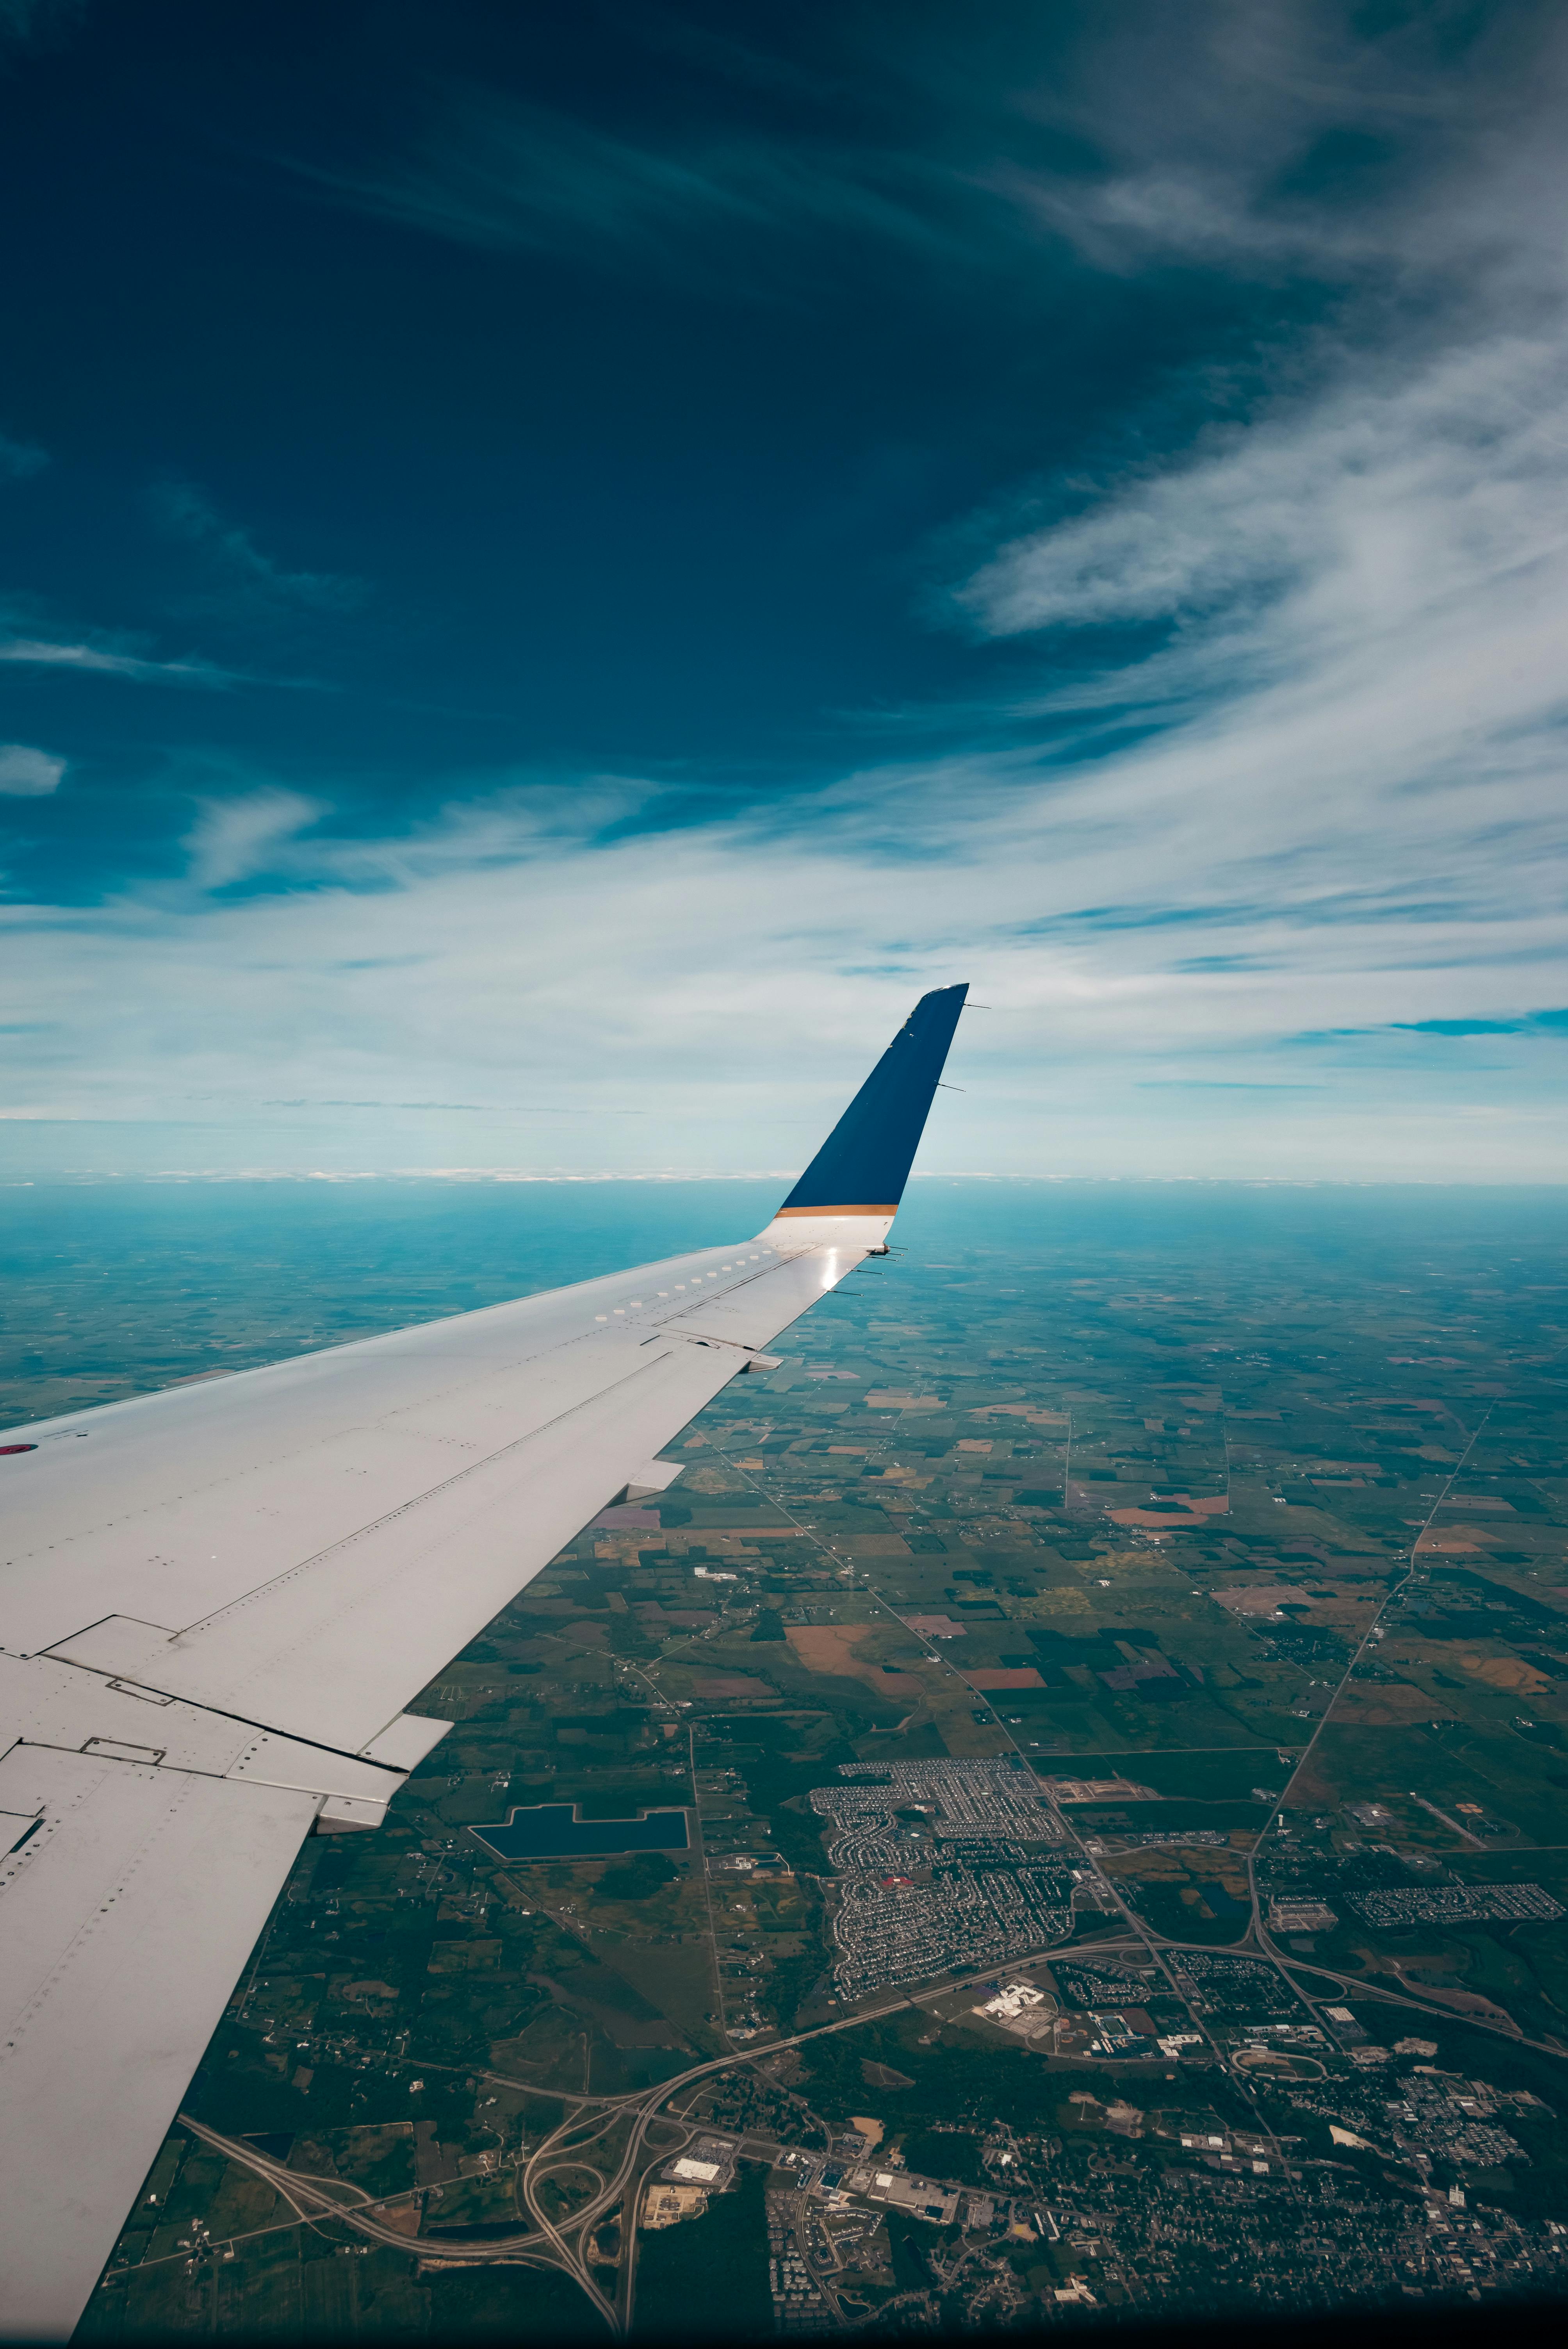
x: 587, y: 2174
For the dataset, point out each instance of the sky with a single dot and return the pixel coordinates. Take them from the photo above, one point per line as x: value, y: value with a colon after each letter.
x: 558, y: 567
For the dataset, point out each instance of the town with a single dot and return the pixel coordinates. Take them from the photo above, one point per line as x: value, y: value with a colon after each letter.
x: 1086, y: 1845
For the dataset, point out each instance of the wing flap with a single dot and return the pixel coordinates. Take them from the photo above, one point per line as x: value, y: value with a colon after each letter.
x: 183, y: 1871
x: 51, y: 1706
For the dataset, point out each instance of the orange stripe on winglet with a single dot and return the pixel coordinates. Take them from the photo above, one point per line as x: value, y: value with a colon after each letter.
x: 836, y: 1211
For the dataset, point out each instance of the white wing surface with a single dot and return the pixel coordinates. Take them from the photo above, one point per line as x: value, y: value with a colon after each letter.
x: 216, y: 1601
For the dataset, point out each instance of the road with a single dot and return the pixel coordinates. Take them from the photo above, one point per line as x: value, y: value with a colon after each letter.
x: 563, y: 2241
x: 555, y: 2243
x: 617, y: 2129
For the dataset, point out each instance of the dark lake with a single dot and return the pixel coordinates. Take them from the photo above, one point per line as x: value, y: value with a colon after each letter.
x: 554, y: 1831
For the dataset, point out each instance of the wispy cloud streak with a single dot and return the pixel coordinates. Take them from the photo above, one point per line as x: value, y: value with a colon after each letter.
x: 38, y: 652
x: 240, y: 565
x: 509, y: 174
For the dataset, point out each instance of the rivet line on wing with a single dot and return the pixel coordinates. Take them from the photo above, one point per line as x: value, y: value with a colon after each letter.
x: 177, y: 1796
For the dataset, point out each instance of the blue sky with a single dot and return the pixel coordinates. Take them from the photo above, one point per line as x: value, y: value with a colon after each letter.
x: 557, y: 566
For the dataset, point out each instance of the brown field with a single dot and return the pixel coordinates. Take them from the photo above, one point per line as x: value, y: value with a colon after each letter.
x: 830, y: 1649
x: 1258, y: 1598
x: 1177, y: 1863
x: 1345, y: 1610
x: 1025, y: 1676
x: 1397, y: 1706
x: 1505, y: 1672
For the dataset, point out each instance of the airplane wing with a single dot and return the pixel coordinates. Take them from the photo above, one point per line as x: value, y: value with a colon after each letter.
x: 217, y: 1601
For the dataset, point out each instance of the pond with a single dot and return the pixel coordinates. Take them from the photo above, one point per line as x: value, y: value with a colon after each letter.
x: 557, y: 1831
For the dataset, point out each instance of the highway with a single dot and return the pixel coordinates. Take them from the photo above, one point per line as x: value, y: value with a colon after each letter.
x: 593, y: 2124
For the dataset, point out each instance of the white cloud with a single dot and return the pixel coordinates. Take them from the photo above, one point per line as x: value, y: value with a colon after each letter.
x: 1339, y: 802
x: 38, y: 652
x: 1296, y: 139
x: 233, y: 840
x: 28, y: 774
x: 716, y: 981
x: 1376, y: 506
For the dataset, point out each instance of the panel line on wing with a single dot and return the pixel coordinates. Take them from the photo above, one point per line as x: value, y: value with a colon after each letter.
x: 123, y: 1687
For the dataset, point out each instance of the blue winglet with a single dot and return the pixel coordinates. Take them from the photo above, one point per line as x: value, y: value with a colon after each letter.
x: 863, y: 1166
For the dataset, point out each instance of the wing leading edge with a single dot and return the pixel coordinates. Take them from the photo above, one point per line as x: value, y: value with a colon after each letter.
x: 217, y: 1601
